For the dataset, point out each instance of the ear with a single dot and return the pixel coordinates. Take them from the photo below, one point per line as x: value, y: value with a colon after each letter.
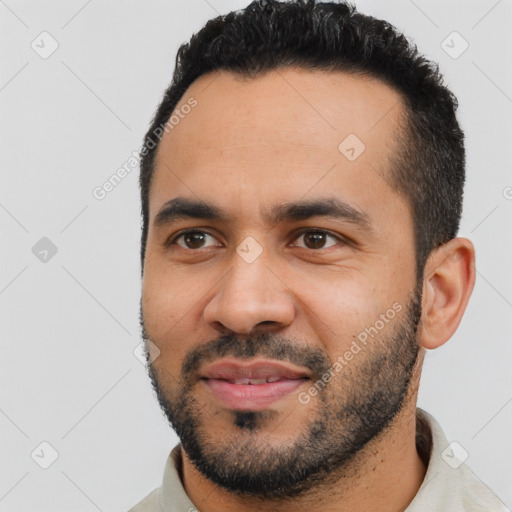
x: 448, y: 282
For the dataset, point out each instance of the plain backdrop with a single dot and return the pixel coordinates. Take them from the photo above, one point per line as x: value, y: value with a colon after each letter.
x: 70, y: 274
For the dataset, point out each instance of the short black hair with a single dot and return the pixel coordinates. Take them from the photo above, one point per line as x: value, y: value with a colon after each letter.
x: 429, y: 166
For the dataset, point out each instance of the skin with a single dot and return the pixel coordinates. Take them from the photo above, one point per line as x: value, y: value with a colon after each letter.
x: 250, y: 144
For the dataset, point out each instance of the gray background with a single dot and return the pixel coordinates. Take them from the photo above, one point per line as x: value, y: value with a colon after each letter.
x: 69, y: 325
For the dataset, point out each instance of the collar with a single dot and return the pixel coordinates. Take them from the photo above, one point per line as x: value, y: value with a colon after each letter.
x: 449, y: 484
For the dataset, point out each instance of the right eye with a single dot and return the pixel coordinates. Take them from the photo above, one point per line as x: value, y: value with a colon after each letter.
x: 191, y: 239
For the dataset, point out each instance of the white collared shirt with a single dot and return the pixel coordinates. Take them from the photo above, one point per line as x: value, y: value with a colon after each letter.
x: 448, y: 486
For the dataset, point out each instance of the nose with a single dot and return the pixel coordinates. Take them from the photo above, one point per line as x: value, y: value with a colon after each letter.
x: 250, y: 297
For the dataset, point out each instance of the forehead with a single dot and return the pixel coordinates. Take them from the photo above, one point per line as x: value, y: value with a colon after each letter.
x: 283, y: 135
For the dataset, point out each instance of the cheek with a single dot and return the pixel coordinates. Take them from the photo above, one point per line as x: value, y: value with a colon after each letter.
x: 167, y: 289
x: 163, y: 306
x: 171, y: 301
x: 162, y: 315
x: 337, y: 310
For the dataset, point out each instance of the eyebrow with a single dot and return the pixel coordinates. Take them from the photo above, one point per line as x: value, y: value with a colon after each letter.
x: 184, y: 208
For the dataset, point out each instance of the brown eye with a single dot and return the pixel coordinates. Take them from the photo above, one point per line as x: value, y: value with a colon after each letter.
x: 192, y: 239
x: 316, y: 239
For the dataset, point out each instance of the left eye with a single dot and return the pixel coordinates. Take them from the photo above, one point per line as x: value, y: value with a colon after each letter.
x: 316, y: 239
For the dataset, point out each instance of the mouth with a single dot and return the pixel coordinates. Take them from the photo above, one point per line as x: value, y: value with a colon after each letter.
x: 254, y: 385
x: 255, y: 372
x: 249, y: 396
x: 253, y: 382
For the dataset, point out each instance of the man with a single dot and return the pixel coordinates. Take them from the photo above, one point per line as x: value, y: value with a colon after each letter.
x: 301, y: 191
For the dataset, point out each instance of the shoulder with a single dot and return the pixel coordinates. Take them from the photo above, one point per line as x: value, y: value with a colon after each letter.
x: 151, y: 503
x: 449, y: 483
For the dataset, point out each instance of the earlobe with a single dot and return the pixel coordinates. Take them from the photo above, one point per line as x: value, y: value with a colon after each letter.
x: 449, y: 279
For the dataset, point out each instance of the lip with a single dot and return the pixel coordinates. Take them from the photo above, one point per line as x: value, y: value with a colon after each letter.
x: 253, y: 397
x: 231, y: 369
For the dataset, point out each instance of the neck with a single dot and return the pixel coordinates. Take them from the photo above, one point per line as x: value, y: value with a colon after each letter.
x: 384, y: 476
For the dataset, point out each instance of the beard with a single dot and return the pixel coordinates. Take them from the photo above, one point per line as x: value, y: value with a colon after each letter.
x: 355, y: 407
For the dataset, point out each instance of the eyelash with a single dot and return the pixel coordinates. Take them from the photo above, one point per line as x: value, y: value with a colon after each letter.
x: 172, y: 240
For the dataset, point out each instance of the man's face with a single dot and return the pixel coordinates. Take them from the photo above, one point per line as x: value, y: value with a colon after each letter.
x: 331, y: 296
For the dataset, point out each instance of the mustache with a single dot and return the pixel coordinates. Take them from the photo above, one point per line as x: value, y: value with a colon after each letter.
x: 262, y: 345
